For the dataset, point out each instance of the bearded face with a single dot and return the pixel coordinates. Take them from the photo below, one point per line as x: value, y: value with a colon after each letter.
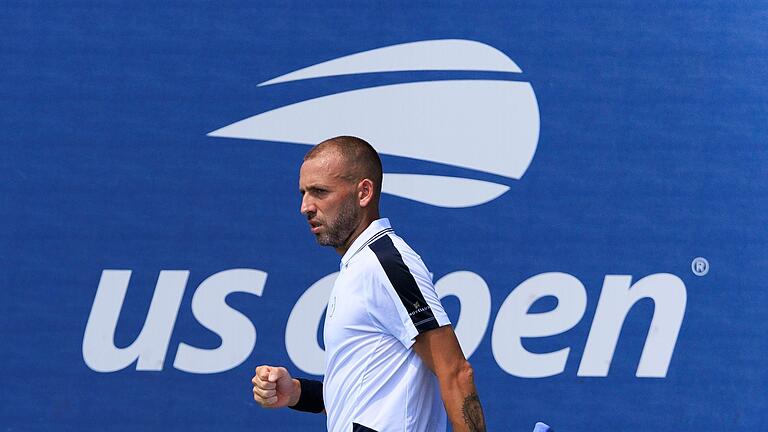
x: 329, y: 200
x: 338, y: 228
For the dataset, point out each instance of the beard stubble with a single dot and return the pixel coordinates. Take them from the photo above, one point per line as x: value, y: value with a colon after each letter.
x: 338, y: 230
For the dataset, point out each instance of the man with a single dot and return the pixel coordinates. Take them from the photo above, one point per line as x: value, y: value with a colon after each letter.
x: 391, y: 354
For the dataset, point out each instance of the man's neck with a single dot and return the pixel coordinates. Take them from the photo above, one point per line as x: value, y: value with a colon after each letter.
x: 362, y: 226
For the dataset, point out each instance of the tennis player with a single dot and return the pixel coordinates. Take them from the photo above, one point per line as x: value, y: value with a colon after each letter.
x: 393, y: 362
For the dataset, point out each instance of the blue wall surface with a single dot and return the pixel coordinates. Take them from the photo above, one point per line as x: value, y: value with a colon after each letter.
x: 629, y: 144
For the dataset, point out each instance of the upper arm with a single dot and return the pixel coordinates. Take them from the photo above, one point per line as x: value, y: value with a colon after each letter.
x: 407, y: 305
x: 439, y: 349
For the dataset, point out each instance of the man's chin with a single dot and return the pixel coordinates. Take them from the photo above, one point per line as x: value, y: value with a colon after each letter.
x: 323, y: 240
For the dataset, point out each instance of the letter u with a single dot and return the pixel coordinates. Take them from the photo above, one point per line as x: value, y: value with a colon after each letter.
x: 150, y: 347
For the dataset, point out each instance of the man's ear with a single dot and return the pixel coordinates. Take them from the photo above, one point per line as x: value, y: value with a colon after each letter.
x: 365, y: 192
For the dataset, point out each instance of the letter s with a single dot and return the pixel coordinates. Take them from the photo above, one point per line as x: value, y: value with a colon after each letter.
x: 238, y: 335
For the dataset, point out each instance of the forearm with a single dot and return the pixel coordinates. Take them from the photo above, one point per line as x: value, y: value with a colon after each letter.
x: 461, y: 401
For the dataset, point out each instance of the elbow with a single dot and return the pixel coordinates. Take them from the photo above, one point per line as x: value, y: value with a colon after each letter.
x: 465, y: 374
x: 460, y: 375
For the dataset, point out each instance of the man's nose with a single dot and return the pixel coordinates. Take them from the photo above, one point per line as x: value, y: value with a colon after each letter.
x: 307, y: 206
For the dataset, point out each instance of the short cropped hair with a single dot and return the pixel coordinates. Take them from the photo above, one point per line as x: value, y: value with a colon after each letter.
x: 359, y: 156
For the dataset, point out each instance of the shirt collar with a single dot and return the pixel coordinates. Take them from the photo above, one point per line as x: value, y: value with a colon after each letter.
x: 375, y: 229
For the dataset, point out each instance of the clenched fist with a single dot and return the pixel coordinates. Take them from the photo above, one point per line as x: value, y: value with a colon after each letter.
x: 273, y: 387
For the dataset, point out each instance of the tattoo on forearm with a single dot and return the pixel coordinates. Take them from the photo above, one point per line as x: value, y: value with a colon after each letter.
x: 473, y: 413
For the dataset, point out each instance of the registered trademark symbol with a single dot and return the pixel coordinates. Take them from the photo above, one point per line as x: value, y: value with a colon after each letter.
x: 700, y: 266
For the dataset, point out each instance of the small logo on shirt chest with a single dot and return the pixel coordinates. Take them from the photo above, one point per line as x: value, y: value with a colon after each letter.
x: 331, y: 307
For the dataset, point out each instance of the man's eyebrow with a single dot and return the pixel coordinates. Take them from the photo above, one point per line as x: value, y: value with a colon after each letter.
x: 314, y: 187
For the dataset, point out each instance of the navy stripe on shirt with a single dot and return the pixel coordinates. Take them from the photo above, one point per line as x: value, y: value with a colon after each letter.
x: 356, y: 427
x: 373, y: 238
x: 400, y: 277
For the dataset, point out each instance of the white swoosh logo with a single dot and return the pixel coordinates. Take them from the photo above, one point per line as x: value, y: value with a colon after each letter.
x: 441, y: 191
x: 490, y: 126
x: 444, y: 54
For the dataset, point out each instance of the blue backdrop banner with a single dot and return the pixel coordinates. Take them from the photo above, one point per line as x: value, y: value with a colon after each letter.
x: 585, y: 181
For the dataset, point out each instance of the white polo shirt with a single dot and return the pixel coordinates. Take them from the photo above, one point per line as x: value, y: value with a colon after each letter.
x: 382, y: 299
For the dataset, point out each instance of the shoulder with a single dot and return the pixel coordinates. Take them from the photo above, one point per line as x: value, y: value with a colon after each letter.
x: 395, y: 256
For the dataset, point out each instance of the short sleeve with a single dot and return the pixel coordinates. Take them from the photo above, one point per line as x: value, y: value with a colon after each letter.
x: 407, y: 303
